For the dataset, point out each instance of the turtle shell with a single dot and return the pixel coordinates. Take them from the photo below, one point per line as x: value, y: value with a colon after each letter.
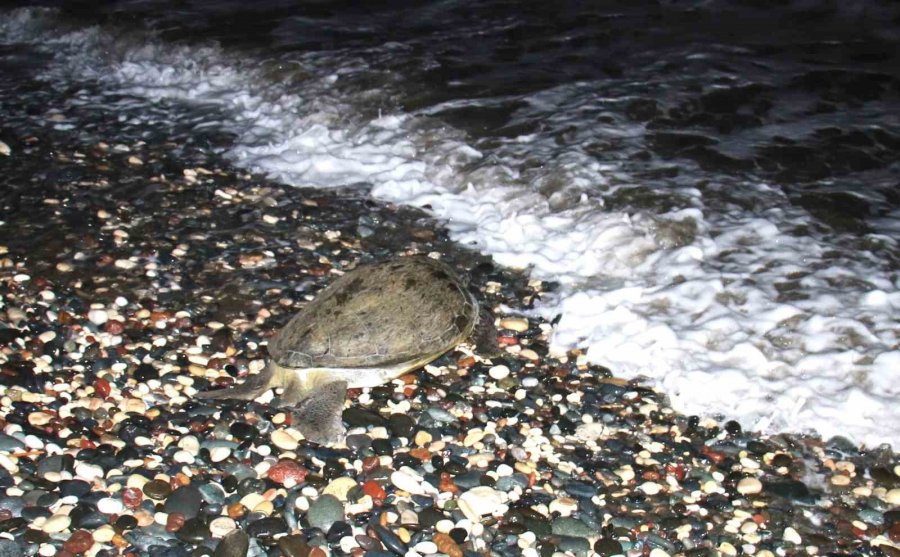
x: 382, y: 316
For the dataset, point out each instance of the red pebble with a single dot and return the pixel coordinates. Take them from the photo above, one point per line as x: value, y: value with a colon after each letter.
x: 285, y: 470
x: 79, y: 542
x: 174, y: 522
x: 114, y: 327
x: 132, y: 497
x: 374, y: 490
x: 507, y: 341
x: 102, y: 388
x: 369, y: 463
x: 676, y: 470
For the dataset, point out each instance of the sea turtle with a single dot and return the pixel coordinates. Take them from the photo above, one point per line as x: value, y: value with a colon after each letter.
x: 369, y: 326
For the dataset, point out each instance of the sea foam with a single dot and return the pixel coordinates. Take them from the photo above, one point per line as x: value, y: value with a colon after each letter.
x: 695, y: 298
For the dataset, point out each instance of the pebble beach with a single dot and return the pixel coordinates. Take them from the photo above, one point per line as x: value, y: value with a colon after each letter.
x: 135, y: 272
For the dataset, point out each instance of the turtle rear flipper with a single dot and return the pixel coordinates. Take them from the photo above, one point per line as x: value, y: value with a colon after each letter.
x: 318, y: 415
x: 485, y: 335
x: 269, y: 378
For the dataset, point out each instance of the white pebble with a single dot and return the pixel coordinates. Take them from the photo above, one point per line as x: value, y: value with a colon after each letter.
x: 56, y: 523
x: 749, y: 486
x: 218, y: 454
x: 88, y: 472
x: 98, y: 316
x: 480, y: 501
x: 650, y: 488
x: 791, y: 535
x: 220, y: 526
x: 406, y: 482
x: 893, y: 496
x: 108, y: 505
x: 426, y: 547
x: 283, y: 440
x: 499, y: 372
x: 183, y: 457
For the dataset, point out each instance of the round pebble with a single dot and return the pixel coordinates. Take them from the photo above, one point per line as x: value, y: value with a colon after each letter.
x: 749, y: 486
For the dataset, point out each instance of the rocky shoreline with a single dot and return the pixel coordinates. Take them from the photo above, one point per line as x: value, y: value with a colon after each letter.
x: 134, y: 274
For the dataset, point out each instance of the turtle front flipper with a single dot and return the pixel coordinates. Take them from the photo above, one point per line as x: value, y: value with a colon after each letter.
x: 318, y: 415
x: 485, y: 335
x: 271, y: 377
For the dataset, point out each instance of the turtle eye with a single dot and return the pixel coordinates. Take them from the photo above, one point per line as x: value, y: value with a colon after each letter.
x: 461, y: 321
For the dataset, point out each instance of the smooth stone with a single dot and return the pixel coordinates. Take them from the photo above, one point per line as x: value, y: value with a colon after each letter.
x: 157, y: 489
x: 339, y: 487
x: 566, y: 526
x: 185, y: 500
x: 212, y: 493
x: 401, y: 425
x: 293, y: 546
x: 9, y: 443
x: 480, y: 501
x: 606, y: 547
x: 360, y: 417
x: 235, y: 544
x: 390, y: 540
x: 193, y: 531
x: 325, y: 511
x: 266, y: 527
x: 221, y: 526
x: 56, y: 523
x: 283, y: 440
x: 574, y: 544
x: 749, y: 486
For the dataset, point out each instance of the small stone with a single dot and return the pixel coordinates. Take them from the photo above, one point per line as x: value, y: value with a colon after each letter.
x: 749, y: 486
x: 56, y: 523
x: 447, y: 545
x: 79, y: 542
x: 339, y: 487
x: 791, y: 535
x: 499, y: 372
x: 235, y: 544
x: 565, y: 526
x: 283, y: 440
x: 406, y: 482
x: 480, y: 501
x: 518, y: 324
x: 157, y: 489
x: 893, y: 497
x: 108, y: 505
x: 220, y: 526
x: 650, y: 488
x: 325, y: 511
x: 185, y: 500
x: 287, y: 472
x: 98, y: 316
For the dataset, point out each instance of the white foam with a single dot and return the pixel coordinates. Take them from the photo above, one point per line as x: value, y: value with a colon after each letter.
x: 699, y: 314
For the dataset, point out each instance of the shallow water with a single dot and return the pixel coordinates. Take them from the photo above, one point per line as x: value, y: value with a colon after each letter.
x: 712, y: 185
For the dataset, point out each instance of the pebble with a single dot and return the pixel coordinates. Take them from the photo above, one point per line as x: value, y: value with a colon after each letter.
x: 98, y: 316
x: 185, y: 500
x: 749, y: 486
x: 108, y: 505
x: 402, y: 480
x: 56, y: 523
x: 339, y: 487
x: 283, y: 440
x: 325, y: 511
x: 499, y: 372
x: 893, y: 497
x: 235, y: 544
x: 650, y: 488
x: 791, y: 535
x: 480, y: 501
x: 518, y: 324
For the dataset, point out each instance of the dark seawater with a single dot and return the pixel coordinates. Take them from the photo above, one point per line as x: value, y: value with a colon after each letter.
x: 714, y: 185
